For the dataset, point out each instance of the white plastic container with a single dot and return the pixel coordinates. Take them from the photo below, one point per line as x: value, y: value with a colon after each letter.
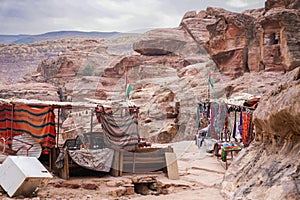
x: 20, y: 175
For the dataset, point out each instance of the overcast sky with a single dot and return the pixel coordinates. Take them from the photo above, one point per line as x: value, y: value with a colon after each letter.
x: 40, y: 16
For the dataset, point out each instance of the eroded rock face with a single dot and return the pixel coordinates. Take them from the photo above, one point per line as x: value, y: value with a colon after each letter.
x: 157, y: 88
x: 175, y: 60
x: 279, y: 113
x: 252, y: 41
x: 77, y: 70
x: 281, y: 49
x: 29, y: 90
x: 170, y: 41
x: 270, y: 168
x: 225, y: 35
x: 157, y: 45
x: 291, y: 4
x: 52, y: 68
x: 20, y: 59
x: 195, y: 25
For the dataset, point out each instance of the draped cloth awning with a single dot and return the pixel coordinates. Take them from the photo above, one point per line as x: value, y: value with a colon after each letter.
x: 121, y: 131
x: 39, y: 123
x: 94, y: 159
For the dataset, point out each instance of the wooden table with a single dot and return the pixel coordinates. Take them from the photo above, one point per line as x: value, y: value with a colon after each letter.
x: 226, y: 151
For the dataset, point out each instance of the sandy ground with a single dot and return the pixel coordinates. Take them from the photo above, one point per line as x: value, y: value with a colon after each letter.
x: 200, y: 175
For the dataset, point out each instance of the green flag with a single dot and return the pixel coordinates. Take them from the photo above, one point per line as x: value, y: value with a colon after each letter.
x: 128, y: 87
x: 211, y: 81
x: 128, y: 90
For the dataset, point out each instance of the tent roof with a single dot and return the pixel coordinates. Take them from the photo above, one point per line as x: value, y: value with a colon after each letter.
x: 90, y: 103
x: 238, y: 99
x: 55, y: 104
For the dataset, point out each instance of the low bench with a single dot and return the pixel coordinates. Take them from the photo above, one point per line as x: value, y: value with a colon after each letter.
x: 140, y: 161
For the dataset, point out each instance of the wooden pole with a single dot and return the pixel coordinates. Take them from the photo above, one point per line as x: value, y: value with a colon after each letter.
x: 12, y: 121
x: 58, y: 124
x: 121, y: 163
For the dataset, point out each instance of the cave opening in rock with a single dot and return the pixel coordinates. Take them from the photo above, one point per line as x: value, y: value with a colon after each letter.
x: 274, y: 38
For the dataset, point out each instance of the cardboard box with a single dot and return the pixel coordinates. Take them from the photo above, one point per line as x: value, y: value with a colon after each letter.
x: 20, y: 175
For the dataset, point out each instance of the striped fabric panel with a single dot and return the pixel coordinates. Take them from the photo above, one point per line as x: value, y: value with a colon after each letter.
x: 39, y: 123
x: 120, y: 132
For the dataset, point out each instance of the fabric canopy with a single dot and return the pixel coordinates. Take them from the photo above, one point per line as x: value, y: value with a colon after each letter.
x: 39, y: 123
x: 121, y: 131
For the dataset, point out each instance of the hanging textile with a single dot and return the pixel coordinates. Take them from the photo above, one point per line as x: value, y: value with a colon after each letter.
x: 39, y: 123
x: 221, y: 120
x: 214, y: 120
x: 234, y: 126
x: 240, y: 127
x: 121, y: 131
x: 202, y: 116
x: 198, y: 115
x: 247, y: 128
x: 5, y: 121
x: 226, y: 128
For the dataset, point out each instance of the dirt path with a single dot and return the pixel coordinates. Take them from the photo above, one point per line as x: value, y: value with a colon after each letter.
x: 202, y: 172
x: 200, y: 178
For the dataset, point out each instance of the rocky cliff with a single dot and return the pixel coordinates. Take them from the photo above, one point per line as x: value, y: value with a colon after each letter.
x: 18, y: 59
x: 255, y: 40
x: 168, y: 68
x: 270, y: 168
x: 256, y: 52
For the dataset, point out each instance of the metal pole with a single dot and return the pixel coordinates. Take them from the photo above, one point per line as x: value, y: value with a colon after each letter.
x: 208, y: 91
x: 125, y: 84
x: 92, y: 113
x: 11, y: 126
x: 208, y: 98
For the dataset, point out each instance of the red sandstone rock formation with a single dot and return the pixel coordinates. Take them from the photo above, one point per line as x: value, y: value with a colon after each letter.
x: 176, y: 59
x: 249, y: 41
x: 171, y: 41
x: 229, y: 40
x: 290, y: 4
x: 281, y: 39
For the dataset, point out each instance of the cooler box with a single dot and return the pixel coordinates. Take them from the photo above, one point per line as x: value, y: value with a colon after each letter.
x: 20, y: 175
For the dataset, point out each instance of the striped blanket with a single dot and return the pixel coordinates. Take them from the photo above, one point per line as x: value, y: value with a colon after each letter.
x: 120, y: 132
x: 39, y: 123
